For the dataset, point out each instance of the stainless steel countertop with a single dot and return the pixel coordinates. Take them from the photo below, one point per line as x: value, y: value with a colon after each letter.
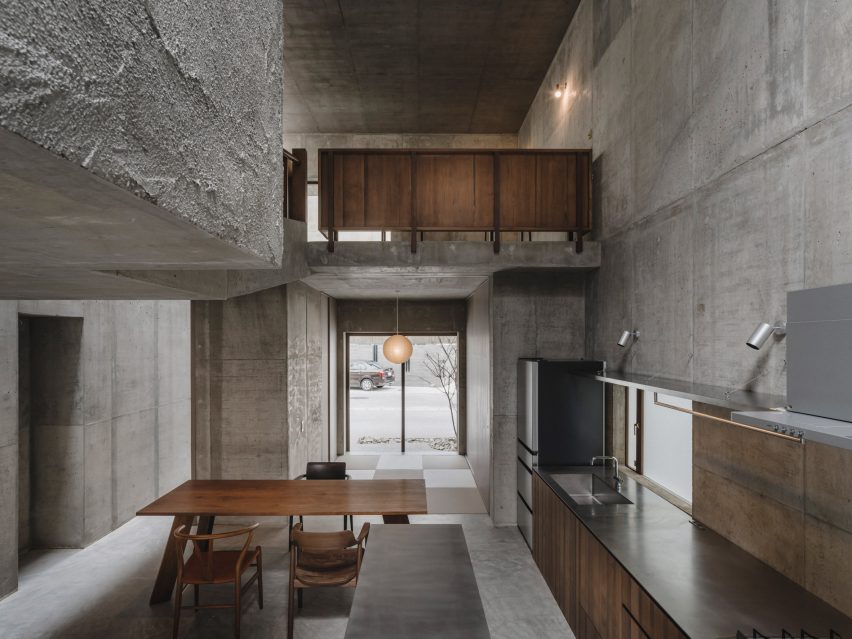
x: 716, y: 395
x: 709, y: 586
x: 417, y: 582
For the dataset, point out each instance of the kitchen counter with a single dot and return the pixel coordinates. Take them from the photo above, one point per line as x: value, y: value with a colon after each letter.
x: 709, y: 586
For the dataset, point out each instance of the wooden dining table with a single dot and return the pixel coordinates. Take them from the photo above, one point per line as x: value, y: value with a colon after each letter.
x: 206, y: 499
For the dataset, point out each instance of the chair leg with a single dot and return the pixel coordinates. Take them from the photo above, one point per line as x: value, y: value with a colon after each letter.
x: 291, y: 603
x: 178, y: 601
x: 238, y: 586
x: 302, y: 521
x: 259, y: 579
x: 352, y: 523
x: 299, y: 594
x: 196, y: 595
x: 345, y: 522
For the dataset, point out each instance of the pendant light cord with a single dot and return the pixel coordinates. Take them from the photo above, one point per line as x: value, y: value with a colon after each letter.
x: 397, y: 314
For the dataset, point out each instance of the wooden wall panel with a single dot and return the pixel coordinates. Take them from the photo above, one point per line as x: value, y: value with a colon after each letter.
x: 349, y: 191
x: 388, y: 191
x: 456, y: 190
x: 556, y: 192
x: 517, y: 188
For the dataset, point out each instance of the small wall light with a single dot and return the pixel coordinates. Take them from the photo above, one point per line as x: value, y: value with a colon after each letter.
x: 558, y: 89
x: 762, y: 332
x: 625, y: 337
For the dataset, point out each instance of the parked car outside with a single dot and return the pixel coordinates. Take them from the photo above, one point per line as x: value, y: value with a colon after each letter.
x: 366, y: 376
x: 390, y: 375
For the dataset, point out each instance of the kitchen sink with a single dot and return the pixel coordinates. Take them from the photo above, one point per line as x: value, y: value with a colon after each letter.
x: 586, y: 489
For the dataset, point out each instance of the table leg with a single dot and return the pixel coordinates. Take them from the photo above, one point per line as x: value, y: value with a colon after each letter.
x: 167, y: 575
x: 395, y: 519
x: 205, y: 527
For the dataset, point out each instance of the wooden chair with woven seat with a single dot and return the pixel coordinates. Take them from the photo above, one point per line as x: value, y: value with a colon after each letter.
x: 323, y: 560
x: 207, y: 566
x: 326, y: 470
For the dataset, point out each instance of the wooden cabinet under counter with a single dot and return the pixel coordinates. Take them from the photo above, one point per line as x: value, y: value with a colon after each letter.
x: 600, y: 600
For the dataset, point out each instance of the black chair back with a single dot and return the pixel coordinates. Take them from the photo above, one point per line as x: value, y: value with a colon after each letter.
x: 325, y: 470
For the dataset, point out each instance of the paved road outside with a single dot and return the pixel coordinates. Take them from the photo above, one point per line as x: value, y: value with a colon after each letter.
x: 376, y: 413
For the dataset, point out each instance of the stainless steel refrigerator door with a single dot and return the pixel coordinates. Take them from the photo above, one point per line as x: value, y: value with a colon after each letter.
x: 528, y: 404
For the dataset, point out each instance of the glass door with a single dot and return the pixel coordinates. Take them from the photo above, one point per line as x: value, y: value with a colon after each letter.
x: 375, y: 397
x: 403, y: 408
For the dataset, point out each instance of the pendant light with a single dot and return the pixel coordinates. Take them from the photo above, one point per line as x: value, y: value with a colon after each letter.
x: 397, y: 348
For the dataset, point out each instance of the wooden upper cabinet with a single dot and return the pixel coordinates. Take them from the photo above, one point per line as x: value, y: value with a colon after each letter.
x: 454, y: 191
x: 510, y: 190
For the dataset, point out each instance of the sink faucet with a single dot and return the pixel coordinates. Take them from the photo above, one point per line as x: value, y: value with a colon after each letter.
x: 604, y: 458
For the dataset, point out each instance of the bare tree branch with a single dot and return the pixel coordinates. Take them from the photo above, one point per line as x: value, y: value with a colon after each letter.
x: 444, y: 367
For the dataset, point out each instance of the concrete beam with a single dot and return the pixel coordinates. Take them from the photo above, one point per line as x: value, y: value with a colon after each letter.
x: 439, y: 270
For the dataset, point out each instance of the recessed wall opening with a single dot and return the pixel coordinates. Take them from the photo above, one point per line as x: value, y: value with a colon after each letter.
x: 411, y: 407
x: 51, y: 433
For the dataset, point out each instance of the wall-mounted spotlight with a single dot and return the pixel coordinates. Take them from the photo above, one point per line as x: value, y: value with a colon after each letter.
x: 559, y: 89
x: 762, y: 332
x: 625, y: 337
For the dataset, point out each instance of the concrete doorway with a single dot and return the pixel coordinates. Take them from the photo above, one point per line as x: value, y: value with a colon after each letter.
x: 417, y: 400
x: 50, y: 433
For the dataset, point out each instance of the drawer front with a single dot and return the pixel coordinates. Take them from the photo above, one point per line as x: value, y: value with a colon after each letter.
x: 524, y: 483
x: 525, y: 522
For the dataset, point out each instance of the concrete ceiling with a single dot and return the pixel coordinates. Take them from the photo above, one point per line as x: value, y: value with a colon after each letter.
x: 433, y: 66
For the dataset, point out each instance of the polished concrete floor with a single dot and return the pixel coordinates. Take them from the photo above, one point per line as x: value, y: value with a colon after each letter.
x: 102, y: 591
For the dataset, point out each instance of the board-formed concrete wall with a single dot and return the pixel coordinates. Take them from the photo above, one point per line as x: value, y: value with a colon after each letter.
x: 112, y: 433
x: 260, y: 384
x: 478, y: 391
x: 180, y: 103
x: 722, y: 139
x: 533, y: 314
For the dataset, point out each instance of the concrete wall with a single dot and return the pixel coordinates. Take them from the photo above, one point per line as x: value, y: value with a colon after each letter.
x: 108, y: 387
x: 722, y: 137
x: 179, y: 104
x: 478, y: 394
x: 259, y: 384
x: 720, y: 173
x: 379, y: 316
x: 533, y: 314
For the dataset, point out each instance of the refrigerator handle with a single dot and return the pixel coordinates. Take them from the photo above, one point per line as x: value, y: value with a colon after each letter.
x: 527, y: 448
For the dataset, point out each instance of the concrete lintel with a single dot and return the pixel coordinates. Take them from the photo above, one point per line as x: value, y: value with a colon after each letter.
x: 453, y: 257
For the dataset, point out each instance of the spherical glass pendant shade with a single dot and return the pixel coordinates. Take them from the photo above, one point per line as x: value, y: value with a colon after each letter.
x: 397, y: 349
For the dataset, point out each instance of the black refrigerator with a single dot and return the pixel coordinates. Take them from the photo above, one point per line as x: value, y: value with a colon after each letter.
x: 560, y: 421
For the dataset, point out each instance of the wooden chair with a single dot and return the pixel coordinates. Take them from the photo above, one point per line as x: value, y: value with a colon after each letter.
x: 326, y: 470
x: 322, y: 560
x: 208, y: 566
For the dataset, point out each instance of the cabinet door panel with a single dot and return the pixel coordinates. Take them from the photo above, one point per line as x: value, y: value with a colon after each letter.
x: 454, y: 191
x: 388, y: 190
x: 349, y: 190
x: 556, y: 195
x: 517, y: 178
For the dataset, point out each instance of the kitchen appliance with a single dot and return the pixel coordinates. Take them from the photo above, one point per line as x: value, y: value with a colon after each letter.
x: 560, y: 422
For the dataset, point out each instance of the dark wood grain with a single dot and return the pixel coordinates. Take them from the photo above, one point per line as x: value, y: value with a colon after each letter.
x: 205, y: 497
x: 600, y: 600
x: 418, y: 190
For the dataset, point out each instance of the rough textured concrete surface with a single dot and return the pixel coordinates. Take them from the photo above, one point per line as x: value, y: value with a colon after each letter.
x: 107, y: 386
x: 181, y: 104
x: 721, y: 173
